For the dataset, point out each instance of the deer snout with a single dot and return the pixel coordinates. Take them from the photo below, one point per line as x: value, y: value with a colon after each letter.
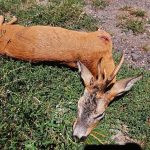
x: 79, y: 133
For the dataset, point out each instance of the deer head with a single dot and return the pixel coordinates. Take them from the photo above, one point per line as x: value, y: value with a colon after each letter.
x: 97, y: 95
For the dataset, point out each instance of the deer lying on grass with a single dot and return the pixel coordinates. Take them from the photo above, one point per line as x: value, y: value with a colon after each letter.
x: 90, y: 52
x: 45, y: 43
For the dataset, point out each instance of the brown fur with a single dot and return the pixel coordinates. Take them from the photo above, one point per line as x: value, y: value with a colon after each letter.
x: 45, y: 43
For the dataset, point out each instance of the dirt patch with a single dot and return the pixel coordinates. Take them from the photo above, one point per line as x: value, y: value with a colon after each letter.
x: 133, y: 44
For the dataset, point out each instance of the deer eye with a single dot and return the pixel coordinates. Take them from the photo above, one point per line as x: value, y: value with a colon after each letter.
x: 99, y: 116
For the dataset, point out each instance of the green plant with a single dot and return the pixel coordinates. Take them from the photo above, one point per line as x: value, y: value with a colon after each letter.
x: 135, y: 25
x: 138, y: 13
x: 67, y: 13
x: 99, y: 3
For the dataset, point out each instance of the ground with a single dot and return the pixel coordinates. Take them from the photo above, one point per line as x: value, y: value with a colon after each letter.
x: 38, y: 102
x: 109, y: 19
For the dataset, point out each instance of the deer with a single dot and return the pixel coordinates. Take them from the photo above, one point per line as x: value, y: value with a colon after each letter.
x: 46, y: 43
x: 90, y: 52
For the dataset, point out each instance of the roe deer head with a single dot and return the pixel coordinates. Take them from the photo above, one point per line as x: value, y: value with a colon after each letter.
x: 98, y: 93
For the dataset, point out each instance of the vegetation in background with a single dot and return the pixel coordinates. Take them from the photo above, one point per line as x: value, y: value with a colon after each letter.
x: 101, y: 4
x: 133, y: 19
x: 132, y: 11
x: 135, y: 25
x: 38, y: 102
x: 65, y: 13
x: 138, y: 13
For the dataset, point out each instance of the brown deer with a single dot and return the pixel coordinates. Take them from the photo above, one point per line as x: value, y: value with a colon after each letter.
x: 45, y: 43
x: 90, y: 52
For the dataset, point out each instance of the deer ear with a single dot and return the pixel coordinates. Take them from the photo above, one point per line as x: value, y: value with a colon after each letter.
x: 123, y: 86
x: 86, y: 75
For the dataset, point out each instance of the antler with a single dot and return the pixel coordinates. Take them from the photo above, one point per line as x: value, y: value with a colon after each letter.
x: 114, y: 73
x: 103, y: 81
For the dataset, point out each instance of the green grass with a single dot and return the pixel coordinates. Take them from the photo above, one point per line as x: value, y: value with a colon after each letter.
x: 133, y: 19
x: 38, y: 102
x: 66, y: 13
x: 138, y: 13
x: 135, y: 25
x: 135, y: 12
x: 101, y: 4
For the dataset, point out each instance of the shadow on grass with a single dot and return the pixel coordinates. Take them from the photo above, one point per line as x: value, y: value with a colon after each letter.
x: 43, y: 63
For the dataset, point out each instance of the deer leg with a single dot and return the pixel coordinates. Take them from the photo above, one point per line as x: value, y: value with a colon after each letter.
x: 1, y: 20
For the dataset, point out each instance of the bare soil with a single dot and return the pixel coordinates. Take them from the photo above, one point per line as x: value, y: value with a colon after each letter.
x: 133, y: 44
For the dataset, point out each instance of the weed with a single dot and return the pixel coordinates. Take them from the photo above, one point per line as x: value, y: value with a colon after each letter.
x: 65, y: 13
x: 126, y: 23
x: 135, y: 25
x: 126, y: 8
x: 138, y: 13
x: 99, y: 4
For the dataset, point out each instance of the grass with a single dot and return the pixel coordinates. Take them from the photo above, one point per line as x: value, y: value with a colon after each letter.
x: 138, y: 13
x: 66, y: 13
x: 38, y: 102
x: 135, y: 25
x: 126, y: 8
x: 132, y: 11
x: 101, y: 4
x: 133, y: 19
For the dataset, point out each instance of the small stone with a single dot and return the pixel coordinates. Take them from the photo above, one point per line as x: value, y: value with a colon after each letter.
x: 135, y: 56
x: 146, y: 47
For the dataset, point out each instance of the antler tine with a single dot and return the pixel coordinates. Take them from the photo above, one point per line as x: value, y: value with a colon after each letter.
x: 14, y: 19
x: 1, y: 20
x: 114, y: 73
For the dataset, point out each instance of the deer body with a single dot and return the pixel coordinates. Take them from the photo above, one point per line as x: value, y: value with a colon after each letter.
x: 45, y: 43
x: 90, y: 52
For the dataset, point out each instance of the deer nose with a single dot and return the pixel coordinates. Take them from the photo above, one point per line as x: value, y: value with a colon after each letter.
x: 77, y: 139
x: 79, y: 132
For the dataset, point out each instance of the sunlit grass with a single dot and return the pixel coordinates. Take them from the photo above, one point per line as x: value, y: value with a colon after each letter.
x: 38, y: 102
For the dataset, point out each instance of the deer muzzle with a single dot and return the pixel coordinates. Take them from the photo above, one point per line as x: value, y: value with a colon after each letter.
x: 79, y: 132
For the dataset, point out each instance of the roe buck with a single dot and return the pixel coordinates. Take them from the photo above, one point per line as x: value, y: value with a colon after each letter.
x: 45, y: 43
x: 90, y: 52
